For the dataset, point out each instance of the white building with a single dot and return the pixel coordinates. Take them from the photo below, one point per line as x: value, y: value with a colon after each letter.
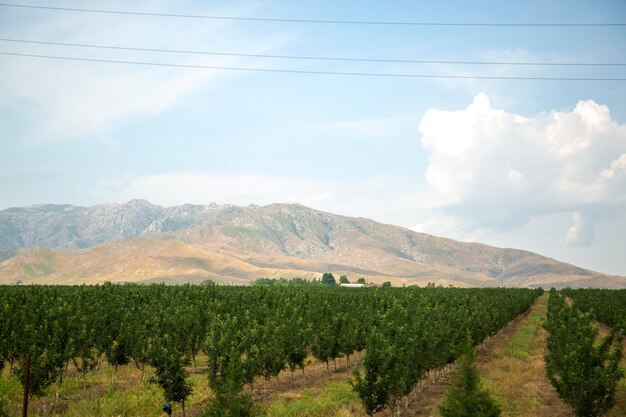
x: 348, y: 285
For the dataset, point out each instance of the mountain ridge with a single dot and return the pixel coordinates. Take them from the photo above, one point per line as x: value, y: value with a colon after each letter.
x: 142, y: 242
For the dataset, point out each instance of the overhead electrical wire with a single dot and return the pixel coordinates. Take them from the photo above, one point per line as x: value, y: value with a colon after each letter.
x: 272, y: 70
x: 323, y: 21
x: 318, y: 58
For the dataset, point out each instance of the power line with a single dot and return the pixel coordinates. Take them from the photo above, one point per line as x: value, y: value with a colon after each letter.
x: 270, y: 70
x: 319, y: 58
x: 342, y: 22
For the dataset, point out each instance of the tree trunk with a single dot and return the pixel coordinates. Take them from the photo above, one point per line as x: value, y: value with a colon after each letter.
x: 183, y: 408
x: 58, y: 392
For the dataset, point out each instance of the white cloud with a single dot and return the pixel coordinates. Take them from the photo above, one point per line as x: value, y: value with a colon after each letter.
x: 580, y: 232
x: 69, y: 99
x: 497, y: 170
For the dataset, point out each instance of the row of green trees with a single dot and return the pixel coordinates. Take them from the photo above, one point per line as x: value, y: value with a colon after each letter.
x: 583, y: 369
x: 424, y: 330
x: 245, y: 332
x: 607, y: 306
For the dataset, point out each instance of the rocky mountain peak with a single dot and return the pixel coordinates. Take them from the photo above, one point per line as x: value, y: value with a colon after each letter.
x: 141, y: 240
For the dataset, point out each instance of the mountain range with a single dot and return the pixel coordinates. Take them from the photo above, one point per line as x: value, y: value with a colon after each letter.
x: 143, y: 242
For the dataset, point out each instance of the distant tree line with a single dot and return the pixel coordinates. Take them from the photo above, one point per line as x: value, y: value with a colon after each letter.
x: 327, y: 279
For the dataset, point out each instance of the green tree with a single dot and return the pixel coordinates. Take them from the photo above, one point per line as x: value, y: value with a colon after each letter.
x: 117, y: 355
x: 466, y: 397
x: 328, y: 279
x: 43, y: 373
x: 386, y: 284
x: 360, y: 280
x: 343, y: 280
x: 230, y: 405
x: 171, y: 374
x: 372, y: 386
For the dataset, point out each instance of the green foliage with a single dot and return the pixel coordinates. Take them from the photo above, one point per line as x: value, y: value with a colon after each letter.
x: 328, y: 279
x: 466, y: 397
x: 43, y: 373
x: 361, y: 281
x: 372, y: 386
x: 584, y: 373
x: 386, y: 284
x: 246, y: 332
x: 607, y: 306
x: 423, y: 329
x: 117, y: 354
x: 343, y: 280
x: 230, y: 405
x: 171, y: 375
x: 296, y: 281
x: 4, y: 405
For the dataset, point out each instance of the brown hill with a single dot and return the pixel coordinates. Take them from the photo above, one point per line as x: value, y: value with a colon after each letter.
x: 229, y: 244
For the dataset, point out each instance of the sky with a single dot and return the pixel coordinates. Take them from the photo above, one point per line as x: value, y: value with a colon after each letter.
x: 530, y: 164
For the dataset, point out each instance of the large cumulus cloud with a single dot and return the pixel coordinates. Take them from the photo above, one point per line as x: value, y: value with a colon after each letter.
x: 494, y: 170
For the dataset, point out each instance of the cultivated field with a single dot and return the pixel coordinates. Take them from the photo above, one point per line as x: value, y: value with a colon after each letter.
x: 510, y: 358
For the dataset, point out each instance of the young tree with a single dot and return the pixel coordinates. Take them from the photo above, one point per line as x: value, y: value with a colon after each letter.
x: 372, y: 386
x: 171, y: 374
x: 117, y: 355
x: 466, y: 397
x: 230, y: 405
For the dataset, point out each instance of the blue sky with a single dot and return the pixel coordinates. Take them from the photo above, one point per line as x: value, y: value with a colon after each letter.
x: 538, y: 165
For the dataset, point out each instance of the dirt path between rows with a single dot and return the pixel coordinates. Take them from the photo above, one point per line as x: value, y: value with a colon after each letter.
x: 515, y: 372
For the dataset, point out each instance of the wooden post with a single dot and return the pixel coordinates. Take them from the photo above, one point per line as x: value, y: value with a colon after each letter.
x: 26, y: 385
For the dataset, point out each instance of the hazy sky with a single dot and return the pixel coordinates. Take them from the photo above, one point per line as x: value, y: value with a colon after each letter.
x: 537, y: 165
